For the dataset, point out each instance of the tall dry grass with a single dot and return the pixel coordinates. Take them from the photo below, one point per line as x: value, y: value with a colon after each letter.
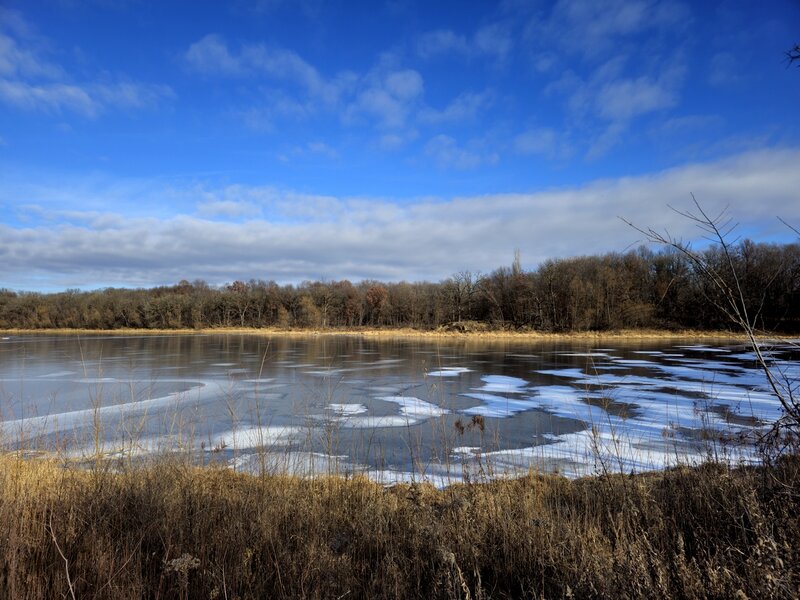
x: 171, y: 530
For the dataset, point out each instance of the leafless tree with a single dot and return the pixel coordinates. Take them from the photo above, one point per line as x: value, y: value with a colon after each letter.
x: 729, y: 298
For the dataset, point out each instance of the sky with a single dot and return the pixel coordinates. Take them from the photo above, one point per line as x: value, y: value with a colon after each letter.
x: 142, y: 143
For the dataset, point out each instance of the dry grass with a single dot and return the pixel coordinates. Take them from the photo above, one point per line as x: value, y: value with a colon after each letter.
x: 169, y: 530
x: 388, y: 333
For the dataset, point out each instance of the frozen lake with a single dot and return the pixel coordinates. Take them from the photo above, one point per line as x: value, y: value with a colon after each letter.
x: 396, y: 409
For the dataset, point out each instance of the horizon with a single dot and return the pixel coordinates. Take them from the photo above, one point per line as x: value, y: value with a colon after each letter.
x: 142, y: 143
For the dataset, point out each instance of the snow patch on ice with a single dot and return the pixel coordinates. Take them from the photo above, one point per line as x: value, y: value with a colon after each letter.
x: 414, y: 407
x: 503, y: 384
x: 252, y: 437
x: 346, y: 410
x: 449, y: 372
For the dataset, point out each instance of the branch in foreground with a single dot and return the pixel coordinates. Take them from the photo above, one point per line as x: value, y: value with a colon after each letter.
x: 731, y: 301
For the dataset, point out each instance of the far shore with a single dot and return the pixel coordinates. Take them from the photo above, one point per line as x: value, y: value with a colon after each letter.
x: 390, y: 333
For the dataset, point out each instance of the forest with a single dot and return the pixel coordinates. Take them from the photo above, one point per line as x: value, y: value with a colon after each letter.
x: 641, y: 288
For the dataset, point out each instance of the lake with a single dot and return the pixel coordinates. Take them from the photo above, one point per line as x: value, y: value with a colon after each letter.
x: 398, y: 409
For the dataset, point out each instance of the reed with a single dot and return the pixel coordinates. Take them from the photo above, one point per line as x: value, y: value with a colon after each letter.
x: 171, y: 530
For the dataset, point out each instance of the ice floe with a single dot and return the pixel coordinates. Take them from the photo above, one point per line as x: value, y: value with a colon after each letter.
x: 497, y: 406
x: 414, y: 407
x: 253, y: 437
x: 503, y: 383
x: 449, y: 372
x: 346, y: 410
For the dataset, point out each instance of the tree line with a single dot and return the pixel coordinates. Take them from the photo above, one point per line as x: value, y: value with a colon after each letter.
x: 639, y: 288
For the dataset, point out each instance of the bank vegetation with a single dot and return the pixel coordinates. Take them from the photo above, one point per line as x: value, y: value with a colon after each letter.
x: 639, y: 289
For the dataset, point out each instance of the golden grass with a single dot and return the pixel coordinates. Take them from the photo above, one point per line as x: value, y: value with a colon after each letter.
x: 169, y: 530
x: 390, y: 333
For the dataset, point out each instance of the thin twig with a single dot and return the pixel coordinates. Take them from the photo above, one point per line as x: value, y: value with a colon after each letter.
x: 66, y: 562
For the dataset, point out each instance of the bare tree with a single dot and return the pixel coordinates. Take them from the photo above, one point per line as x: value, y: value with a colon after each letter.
x: 729, y: 298
x: 793, y: 55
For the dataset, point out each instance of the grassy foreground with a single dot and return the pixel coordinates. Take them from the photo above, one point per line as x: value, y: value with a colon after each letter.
x: 174, y: 531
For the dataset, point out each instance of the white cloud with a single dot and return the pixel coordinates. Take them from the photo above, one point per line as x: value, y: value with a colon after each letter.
x: 211, y: 55
x: 442, y: 41
x: 447, y: 153
x: 593, y: 29
x: 300, y: 236
x: 610, y: 136
x: 543, y: 141
x: 130, y: 94
x: 397, y: 139
x: 30, y: 82
x: 389, y: 97
x: 274, y: 106
x: 257, y: 119
x: 620, y: 61
x: 310, y: 8
x: 323, y: 149
x: 625, y: 99
x: 386, y: 96
x: 609, y: 99
x: 284, y: 64
x: 87, y: 99
x: 378, y: 102
x: 688, y: 124
x: 491, y: 41
x: 21, y: 62
x: 13, y: 21
x: 466, y: 106
x: 51, y: 97
x: 406, y: 84
x: 315, y: 148
x: 599, y: 21
x: 228, y: 208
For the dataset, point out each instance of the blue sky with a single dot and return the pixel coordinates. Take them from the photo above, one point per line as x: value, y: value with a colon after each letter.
x: 146, y: 142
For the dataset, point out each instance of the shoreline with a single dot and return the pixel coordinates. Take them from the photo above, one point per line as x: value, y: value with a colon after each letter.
x: 401, y: 333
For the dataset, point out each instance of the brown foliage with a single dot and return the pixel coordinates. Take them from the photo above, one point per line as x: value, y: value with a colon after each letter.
x: 607, y: 292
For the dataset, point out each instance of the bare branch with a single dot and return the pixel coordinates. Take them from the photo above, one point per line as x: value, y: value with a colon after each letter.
x: 789, y: 226
x: 731, y: 302
x: 793, y: 55
x: 64, y: 558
